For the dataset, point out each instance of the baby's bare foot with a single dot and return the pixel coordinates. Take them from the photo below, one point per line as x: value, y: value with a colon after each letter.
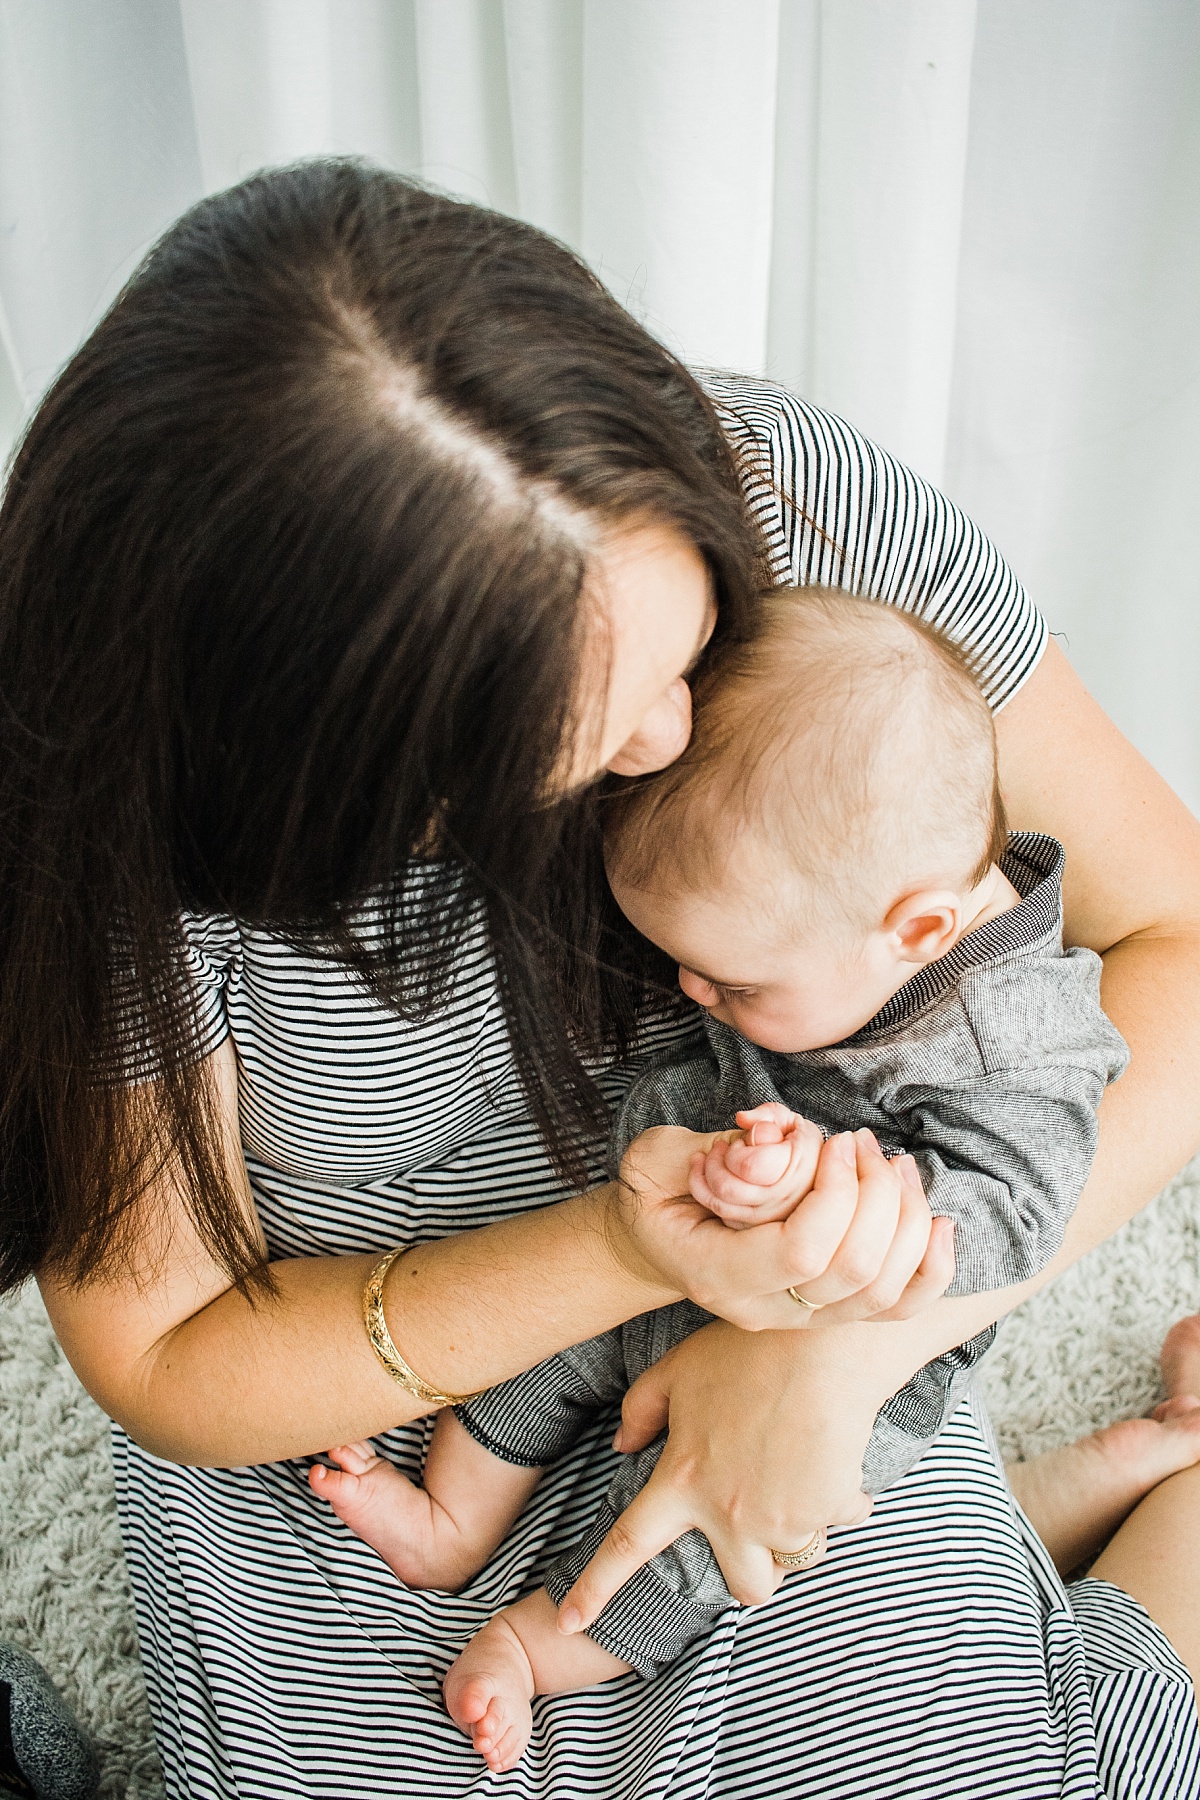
x: 1077, y: 1496
x: 488, y: 1691
x: 393, y: 1515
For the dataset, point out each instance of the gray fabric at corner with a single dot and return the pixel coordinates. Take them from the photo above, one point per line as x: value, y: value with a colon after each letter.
x: 47, y: 1745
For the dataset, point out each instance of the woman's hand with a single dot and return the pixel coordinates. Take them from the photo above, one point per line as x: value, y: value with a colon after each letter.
x: 862, y: 1243
x: 767, y: 1432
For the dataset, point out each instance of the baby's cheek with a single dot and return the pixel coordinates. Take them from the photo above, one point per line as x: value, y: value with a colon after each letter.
x: 761, y: 1028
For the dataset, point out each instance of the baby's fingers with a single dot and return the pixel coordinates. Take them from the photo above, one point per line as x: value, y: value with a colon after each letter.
x: 771, y: 1114
x: 760, y: 1164
x: 753, y: 1209
x: 728, y: 1188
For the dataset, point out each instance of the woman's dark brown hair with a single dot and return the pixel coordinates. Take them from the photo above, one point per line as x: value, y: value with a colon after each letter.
x: 291, y: 561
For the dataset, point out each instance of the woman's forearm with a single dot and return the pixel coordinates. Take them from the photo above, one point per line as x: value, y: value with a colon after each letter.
x: 238, y: 1381
x: 226, y: 1381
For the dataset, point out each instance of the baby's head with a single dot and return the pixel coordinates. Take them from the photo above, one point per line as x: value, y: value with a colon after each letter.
x: 833, y: 825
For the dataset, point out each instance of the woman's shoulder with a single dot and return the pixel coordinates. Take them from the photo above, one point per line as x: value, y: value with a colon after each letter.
x: 210, y: 943
x: 837, y: 510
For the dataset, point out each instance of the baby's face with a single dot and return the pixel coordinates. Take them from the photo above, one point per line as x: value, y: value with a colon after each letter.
x: 785, y: 993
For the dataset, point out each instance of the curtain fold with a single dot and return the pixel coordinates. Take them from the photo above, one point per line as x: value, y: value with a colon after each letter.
x: 972, y: 226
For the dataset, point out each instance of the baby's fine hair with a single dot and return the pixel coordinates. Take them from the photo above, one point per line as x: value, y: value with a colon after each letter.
x: 843, y: 755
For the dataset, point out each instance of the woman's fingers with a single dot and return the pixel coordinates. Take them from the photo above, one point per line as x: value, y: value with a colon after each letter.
x: 918, y: 1268
x: 931, y: 1279
x: 651, y: 1521
x: 906, y: 1252
x: 840, y: 1234
x: 645, y: 1410
x: 655, y: 1166
x: 751, y: 1574
x: 830, y: 1244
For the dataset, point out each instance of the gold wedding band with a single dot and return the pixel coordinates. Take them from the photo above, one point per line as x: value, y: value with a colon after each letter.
x: 811, y: 1305
x: 812, y: 1553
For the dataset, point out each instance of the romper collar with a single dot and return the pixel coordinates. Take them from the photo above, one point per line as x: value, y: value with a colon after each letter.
x: 1033, y: 862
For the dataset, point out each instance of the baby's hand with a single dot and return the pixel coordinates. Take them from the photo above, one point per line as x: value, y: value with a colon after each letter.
x: 764, y: 1174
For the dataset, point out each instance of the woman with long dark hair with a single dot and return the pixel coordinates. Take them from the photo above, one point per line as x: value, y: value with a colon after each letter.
x: 361, y: 541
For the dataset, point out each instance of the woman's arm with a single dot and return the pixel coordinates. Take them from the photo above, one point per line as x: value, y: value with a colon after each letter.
x: 753, y: 1475
x: 198, y: 1373
x: 1132, y: 892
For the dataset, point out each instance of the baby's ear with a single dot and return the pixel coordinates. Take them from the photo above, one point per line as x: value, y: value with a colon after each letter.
x: 923, y: 926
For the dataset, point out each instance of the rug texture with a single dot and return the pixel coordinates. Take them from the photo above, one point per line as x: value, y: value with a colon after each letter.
x: 1083, y: 1353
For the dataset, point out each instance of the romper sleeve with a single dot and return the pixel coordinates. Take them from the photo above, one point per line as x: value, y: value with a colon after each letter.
x: 837, y: 510
x: 1006, y: 1151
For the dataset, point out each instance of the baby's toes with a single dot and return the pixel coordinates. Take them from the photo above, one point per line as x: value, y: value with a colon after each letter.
x: 509, y: 1748
x: 488, y: 1730
x: 468, y: 1699
x: 499, y: 1737
x: 496, y: 1715
x: 335, y: 1486
x: 492, y: 1728
x: 355, y: 1459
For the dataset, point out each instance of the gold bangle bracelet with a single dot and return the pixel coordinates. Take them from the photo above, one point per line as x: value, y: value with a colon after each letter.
x: 381, y: 1338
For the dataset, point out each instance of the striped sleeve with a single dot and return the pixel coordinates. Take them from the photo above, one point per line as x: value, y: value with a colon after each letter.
x: 837, y: 510
x: 210, y: 946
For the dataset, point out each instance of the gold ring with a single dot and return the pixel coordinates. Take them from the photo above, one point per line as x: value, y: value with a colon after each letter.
x: 812, y: 1305
x: 812, y: 1553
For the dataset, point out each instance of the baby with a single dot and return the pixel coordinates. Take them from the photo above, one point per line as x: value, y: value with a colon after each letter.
x: 829, y: 866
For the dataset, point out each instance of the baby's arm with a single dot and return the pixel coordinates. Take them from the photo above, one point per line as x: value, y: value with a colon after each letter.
x: 1005, y: 1149
x: 773, y: 1163
x: 1007, y: 1160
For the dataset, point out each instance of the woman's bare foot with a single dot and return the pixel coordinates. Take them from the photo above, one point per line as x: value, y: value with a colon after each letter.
x: 416, y: 1538
x: 1077, y: 1497
x: 1180, y: 1363
x: 487, y: 1693
x: 520, y: 1653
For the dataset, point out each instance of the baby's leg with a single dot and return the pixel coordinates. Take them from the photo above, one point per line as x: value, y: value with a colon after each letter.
x: 1076, y: 1497
x: 439, y: 1534
x: 520, y: 1653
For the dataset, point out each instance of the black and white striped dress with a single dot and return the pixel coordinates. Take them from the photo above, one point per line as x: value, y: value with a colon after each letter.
x: 935, y: 1653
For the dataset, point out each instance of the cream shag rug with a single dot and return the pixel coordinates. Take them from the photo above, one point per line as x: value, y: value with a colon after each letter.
x: 1083, y: 1353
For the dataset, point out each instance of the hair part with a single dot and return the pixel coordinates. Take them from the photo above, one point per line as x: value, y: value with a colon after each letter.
x: 842, y: 756
x: 292, y: 596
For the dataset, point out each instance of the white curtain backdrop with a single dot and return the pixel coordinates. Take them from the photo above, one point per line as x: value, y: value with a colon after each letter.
x: 970, y: 226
